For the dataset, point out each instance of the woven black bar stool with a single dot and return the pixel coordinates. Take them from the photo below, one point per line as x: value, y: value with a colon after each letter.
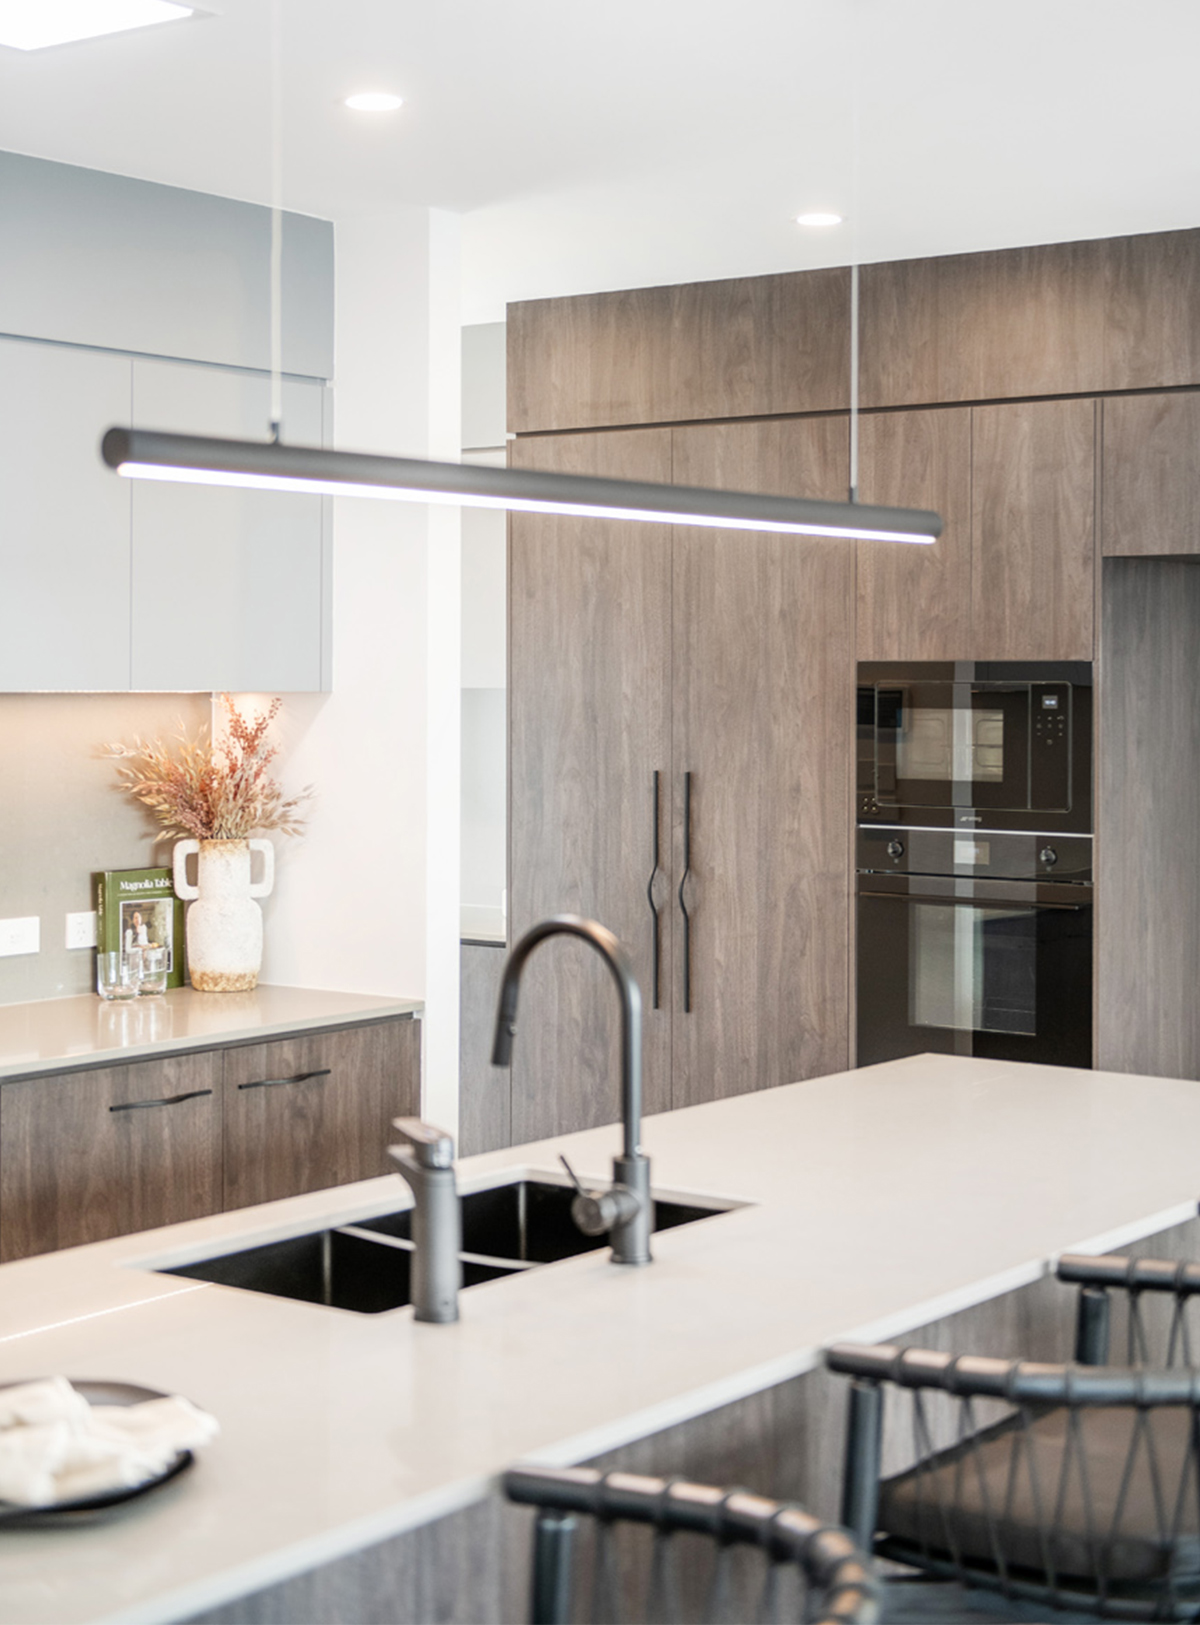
x: 1068, y: 1485
x: 1166, y: 1338
x: 837, y: 1585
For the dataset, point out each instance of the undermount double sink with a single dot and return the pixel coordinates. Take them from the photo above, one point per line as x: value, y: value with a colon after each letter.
x: 365, y: 1267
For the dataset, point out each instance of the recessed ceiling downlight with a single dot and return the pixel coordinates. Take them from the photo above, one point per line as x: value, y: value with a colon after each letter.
x: 374, y: 101
x: 818, y: 217
x: 31, y: 25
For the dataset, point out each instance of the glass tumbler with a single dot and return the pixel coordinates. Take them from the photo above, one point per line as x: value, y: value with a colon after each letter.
x: 116, y: 976
x: 153, y: 977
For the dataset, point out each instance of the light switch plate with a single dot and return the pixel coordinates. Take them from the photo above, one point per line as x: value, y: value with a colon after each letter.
x: 22, y: 936
x: 81, y: 930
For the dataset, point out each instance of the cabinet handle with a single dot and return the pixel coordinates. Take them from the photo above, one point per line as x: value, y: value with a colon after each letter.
x: 167, y: 1100
x: 650, y: 891
x: 687, y: 869
x: 300, y: 1077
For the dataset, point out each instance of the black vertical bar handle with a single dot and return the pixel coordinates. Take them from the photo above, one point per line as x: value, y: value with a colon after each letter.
x: 683, y: 880
x: 656, y: 923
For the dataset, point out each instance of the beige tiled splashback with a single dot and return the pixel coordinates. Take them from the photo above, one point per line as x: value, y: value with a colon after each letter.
x: 61, y: 817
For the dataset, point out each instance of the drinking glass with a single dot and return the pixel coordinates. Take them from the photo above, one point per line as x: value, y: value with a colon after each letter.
x: 116, y: 976
x: 153, y: 978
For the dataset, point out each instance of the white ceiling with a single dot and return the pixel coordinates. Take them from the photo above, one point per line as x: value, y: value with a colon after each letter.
x: 642, y: 141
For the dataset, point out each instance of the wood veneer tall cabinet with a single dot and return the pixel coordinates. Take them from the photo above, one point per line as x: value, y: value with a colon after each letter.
x: 589, y: 672
x: 1012, y: 577
x: 638, y: 651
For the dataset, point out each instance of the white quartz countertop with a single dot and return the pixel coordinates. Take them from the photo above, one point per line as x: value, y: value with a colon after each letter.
x: 52, y: 1035
x: 880, y: 1199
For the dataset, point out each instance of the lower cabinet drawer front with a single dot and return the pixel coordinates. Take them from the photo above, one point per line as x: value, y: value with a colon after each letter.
x: 88, y: 1155
x: 316, y: 1110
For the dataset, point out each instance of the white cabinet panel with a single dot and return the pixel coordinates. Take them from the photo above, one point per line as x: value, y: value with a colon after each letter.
x: 229, y: 587
x: 64, y: 520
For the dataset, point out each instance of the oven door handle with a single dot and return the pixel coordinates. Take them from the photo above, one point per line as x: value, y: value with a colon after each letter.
x: 975, y: 902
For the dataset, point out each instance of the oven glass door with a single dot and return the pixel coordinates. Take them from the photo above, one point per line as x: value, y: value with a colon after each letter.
x: 943, y: 744
x: 1009, y: 980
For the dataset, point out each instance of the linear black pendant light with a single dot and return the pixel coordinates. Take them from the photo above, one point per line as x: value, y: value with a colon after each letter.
x: 271, y: 466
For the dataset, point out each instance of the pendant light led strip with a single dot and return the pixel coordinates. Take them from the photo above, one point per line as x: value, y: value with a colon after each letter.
x: 254, y: 465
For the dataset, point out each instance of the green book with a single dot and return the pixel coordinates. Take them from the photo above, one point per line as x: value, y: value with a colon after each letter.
x: 138, y: 908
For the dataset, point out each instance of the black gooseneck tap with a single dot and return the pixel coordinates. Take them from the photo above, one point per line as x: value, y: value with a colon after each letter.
x: 626, y: 1210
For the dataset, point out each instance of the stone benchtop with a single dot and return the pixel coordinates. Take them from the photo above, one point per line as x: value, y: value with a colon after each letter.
x: 55, y: 1035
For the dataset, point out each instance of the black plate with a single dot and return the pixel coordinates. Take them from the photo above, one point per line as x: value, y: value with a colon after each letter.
x: 96, y: 1393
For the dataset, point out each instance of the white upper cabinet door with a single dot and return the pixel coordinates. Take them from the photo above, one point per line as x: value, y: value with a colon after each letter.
x: 229, y: 587
x: 64, y: 520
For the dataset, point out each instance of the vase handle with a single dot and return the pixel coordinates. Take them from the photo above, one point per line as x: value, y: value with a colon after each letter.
x: 263, y: 888
x: 184, y: 850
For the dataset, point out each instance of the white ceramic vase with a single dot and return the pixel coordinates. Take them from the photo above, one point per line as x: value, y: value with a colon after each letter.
x: 224, y: 923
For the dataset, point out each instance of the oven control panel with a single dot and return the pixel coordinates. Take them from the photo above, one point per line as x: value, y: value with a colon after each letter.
x: 980, y: 854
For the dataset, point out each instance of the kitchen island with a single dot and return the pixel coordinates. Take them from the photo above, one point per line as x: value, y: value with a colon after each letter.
x: 874, y: 1203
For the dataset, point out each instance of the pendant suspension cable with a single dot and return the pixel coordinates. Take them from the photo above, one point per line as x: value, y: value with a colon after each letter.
x: 854, y: 382
x: 855, y: 151
x: 276, y: 297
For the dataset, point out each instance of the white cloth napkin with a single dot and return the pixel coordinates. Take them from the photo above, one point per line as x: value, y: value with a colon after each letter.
x: 54, y: 1446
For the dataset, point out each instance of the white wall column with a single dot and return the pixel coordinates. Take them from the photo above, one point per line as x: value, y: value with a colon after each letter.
x: 368, y: 900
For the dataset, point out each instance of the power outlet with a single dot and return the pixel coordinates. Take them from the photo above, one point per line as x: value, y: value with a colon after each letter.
x: 81, y: 930
x: 20, y: 936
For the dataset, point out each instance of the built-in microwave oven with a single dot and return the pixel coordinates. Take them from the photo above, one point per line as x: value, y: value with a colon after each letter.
x: 1001, y: 745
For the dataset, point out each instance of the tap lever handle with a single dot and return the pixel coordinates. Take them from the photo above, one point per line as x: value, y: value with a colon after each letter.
x: 574, y: 1176
x: 597, y: 1212
x: 434, y: 1148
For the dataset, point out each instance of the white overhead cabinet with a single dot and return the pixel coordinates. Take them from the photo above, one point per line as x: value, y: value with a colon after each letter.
x: 229, y: 587
x: 105, y: 584
x: 64, y: 519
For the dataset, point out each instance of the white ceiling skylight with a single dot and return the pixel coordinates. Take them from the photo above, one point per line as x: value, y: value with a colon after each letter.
x: 31, y: 25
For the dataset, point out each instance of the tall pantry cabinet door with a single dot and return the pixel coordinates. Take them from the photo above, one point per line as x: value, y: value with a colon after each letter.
x: 764, y: 723
x: 229, y: 588
x: 64, y: 519
x: 914, y: 602
x: 589, y: 726
x: 1033, y: 544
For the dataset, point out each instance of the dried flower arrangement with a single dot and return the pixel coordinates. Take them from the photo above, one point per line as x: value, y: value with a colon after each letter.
x: 212, y: 792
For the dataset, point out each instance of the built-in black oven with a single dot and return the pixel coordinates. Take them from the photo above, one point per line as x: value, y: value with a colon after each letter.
x: 974, y: 861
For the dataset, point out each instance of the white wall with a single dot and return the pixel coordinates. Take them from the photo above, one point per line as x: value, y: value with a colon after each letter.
x: 368, y: 900
x: 484, y: 644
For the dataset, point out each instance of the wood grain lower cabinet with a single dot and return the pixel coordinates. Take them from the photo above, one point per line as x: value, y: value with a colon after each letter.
x: 1033, y: 544
x: 1150, y: 491
x: 316, y: 1110
x: 91, y: 1154
x: 88, y: 1155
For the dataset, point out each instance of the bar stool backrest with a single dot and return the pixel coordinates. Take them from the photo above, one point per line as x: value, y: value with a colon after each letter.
x: 1085, y: 1493
x: 811, y: 1571
x: 1158, y: 1300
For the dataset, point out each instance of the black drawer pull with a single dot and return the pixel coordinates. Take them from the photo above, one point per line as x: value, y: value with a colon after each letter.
x: 273, y: 1083
x: 168, y: 1100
